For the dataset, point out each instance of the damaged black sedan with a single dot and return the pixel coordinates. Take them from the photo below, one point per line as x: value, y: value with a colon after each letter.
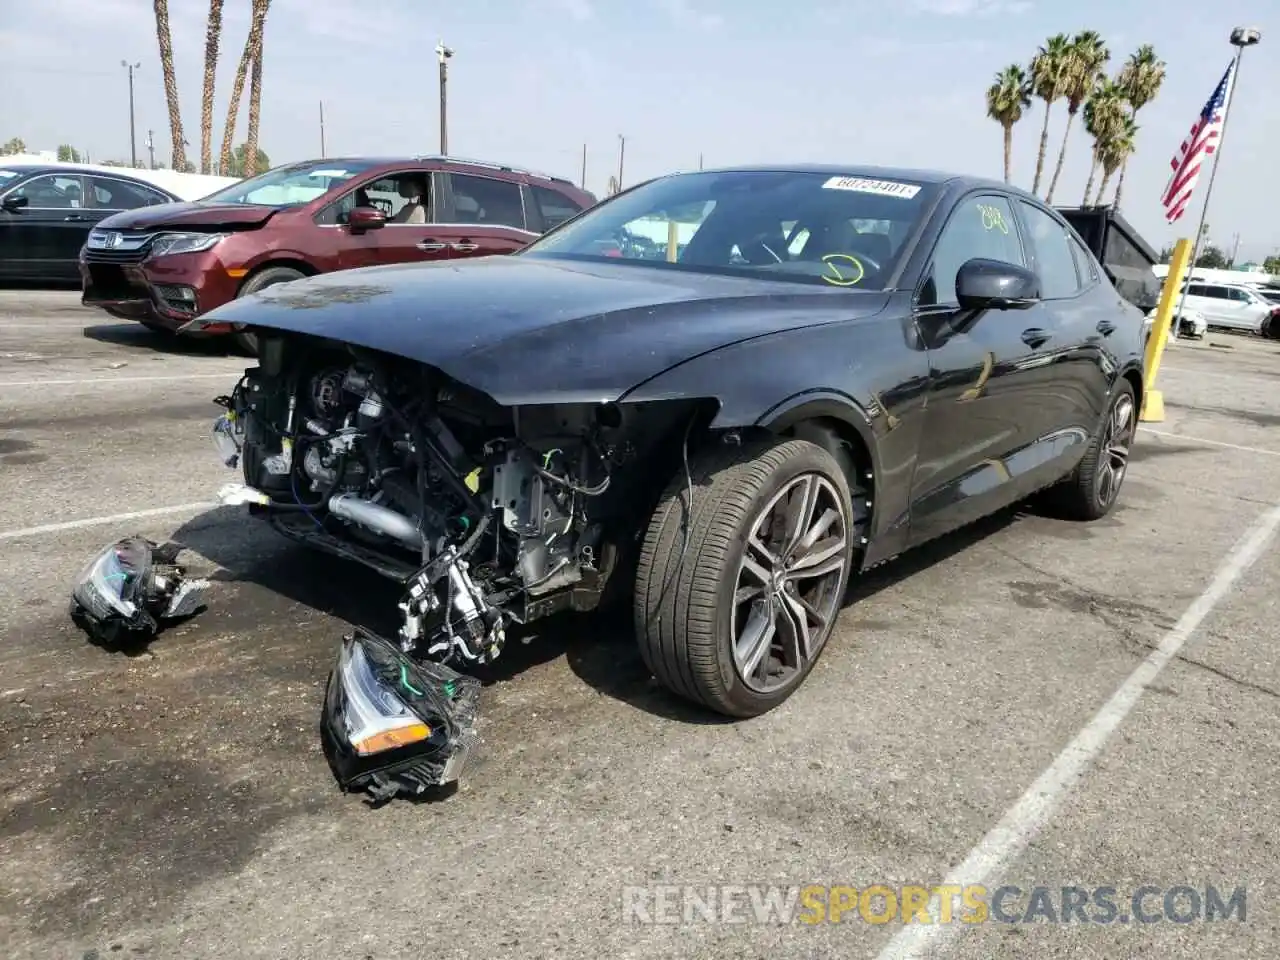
x: 717, y: 394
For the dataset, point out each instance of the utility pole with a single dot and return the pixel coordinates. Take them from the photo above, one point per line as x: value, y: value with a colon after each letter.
x: 322, y: 154
x: 1235, y: 249
x: 443, y: 53
x: 151, y: 149
x: 584, y: 166
x: 133, y: 140
x: 622, y: 152
x: 699, y: 161
x: 1241, y: 37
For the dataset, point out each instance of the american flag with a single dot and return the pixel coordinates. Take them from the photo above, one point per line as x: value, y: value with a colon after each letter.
x: 1202, y: 141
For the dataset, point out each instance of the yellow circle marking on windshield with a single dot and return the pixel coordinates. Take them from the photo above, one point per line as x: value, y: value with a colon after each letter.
x: 993, y: 218
x: 836, y: 276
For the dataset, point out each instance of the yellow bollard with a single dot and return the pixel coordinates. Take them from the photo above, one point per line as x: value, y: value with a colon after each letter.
x: 1152, y: 399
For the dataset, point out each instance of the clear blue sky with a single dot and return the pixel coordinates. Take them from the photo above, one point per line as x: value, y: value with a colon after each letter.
x: 739, y: 82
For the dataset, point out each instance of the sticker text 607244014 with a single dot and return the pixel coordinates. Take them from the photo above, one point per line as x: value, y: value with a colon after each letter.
x: 884, y: 188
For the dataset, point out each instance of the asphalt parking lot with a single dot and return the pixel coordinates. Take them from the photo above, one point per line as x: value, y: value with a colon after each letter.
x: 175, y: 803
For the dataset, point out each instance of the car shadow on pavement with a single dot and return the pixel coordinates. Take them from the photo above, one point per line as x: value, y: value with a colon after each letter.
x: 128, y: 333
x: 598, y: 647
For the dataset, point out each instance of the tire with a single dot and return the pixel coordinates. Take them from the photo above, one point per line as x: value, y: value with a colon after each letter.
x: 686, y: 617
x: 269, y: 277
x: 1090, y: 491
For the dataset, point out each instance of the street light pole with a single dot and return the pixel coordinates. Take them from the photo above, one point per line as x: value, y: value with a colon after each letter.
x: 1241, y: 37
x: 622, y: 152
x: 133, y: 139
x: 443, y: 53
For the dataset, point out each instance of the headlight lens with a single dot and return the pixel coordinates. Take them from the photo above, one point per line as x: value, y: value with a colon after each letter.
x: 170, y: 243
x: 375, y: 718
x: 102, y: 584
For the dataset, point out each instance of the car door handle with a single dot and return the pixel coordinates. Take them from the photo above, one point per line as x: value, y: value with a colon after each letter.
x: 431, y: 246
x: 1034, y: 336
x: 465, y: 247
x: 75, y: 218
x: 1106, y: 327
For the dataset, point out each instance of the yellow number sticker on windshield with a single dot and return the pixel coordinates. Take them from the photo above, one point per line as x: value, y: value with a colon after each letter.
x: 992, y: 218
x: 838, y: 277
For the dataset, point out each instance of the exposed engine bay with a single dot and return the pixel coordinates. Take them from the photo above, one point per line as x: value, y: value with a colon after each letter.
x: 488, y: 515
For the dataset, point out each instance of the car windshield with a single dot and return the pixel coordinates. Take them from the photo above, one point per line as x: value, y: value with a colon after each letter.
x: 291, y: 185
x: 819, y: 228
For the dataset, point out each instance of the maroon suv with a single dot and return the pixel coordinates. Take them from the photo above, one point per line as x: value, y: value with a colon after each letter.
x: 165, y: 265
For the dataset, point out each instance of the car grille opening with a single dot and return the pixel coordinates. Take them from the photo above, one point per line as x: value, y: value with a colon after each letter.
x: 117, y: 246
x: 109, y: 282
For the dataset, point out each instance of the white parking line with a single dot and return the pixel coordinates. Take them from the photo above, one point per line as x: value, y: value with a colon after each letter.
x: 1212, y: 443
x: 1020, y: 824
x: 99, y: 521
x: 230, y: 374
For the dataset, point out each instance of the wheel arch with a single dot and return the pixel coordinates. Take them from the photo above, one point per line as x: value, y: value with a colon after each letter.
x: 292, y: 263
x: 840, y: 425
x: 1134, y: 375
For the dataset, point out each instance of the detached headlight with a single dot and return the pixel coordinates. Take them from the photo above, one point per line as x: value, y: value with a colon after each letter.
x: 393, y: 724
x: 128, y: 588
x: 375, y: 718
x: 171, y: 243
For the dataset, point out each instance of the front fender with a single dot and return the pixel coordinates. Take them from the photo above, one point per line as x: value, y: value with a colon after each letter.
x: 869, y: 373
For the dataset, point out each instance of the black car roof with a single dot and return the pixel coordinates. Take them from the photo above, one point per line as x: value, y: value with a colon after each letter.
x: 917, y: 175
x: 29, y: 167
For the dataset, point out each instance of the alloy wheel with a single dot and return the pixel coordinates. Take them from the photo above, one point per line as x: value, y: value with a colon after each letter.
x: 1114, y: 456
x: 787, y: 592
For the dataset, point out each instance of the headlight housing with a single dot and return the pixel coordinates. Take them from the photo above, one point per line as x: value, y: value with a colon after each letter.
x: 393, y: 724
x: 129, y: 587
x: 168, y: 244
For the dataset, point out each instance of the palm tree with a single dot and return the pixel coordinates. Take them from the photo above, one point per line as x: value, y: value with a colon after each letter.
x: 1050, y: 70
x: 170, y: 84
x: 213, y: 33
x: 1103, y: 114
x: 251, y: 43
x: 1007, y: 98
x: 1089, y: 57
x: 260, y: 8
x: 1140, y: 80
x: 1114, y: 151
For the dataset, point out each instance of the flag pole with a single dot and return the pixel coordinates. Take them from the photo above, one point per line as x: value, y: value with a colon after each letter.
x: 1241, y: 37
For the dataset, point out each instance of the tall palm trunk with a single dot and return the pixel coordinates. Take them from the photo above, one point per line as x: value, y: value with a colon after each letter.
x: 1115, y: 202
x: 1102, y: 188
x: 1008, y: 151
x: 170, y: 84
x: 213, y: 35
x: 1062, y: 156
x: 255, y: 93
x: 1133, y: 115
x: 1044, y: 148
x: 251, y: 43
x: 1093, y: 172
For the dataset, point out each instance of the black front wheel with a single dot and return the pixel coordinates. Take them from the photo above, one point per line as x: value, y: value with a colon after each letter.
x: 737, y: 593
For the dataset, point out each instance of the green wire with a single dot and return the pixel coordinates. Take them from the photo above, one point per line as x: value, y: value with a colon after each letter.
x: 406, y: 684
x: 546, y: 457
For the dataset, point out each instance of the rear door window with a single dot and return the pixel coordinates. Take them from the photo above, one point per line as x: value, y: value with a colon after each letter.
x: 486, y: 201
x: 1052, y: 245
x: 554, y: 206
x: 108, y: 193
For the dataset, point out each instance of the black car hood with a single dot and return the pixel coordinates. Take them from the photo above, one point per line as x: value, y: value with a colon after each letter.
x: 534, y: 329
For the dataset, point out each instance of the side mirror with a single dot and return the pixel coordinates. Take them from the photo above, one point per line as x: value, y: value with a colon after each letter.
x: 996, y: 285
x: 366, y: 218
x: 15, y: 203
